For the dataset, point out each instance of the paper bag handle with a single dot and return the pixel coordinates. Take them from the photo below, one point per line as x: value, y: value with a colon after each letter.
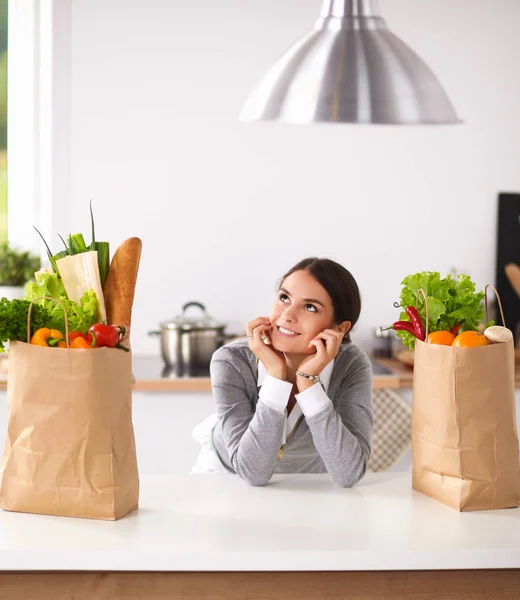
x: 421, y: 291
x: 499, y: 303
x: 64, y: 312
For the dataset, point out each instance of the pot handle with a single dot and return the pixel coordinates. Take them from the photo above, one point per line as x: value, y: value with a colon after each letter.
x: 154, y: 333
x: 198, y: 304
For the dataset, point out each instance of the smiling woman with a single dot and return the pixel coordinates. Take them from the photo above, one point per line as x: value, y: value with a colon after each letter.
x: 294, y: 396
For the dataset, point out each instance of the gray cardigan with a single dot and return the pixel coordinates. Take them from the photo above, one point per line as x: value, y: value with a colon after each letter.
x: 248, y: 434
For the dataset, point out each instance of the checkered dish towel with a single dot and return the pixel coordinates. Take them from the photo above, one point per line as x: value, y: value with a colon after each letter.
x: 392, y: 433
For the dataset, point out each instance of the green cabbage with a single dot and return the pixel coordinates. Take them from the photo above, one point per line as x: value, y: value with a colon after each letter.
x: 81, y: 316
x: 450, y: 302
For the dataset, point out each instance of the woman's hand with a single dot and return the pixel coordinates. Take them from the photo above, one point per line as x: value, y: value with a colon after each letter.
x: 273, y: 361
x: 327, y: 344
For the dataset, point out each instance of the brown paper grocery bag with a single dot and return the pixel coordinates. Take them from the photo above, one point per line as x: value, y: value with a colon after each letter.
x: 70, y: 446
x: 464, y: 435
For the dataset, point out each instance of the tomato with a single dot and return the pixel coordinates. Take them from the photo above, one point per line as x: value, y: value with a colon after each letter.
x: 455, y: 329
x: 106, y: 335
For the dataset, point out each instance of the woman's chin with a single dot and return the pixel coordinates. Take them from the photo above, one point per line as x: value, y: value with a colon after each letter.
x: 281, y: 346
x: 290, y: 347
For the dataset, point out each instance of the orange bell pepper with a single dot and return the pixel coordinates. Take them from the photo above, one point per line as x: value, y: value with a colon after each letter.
x: 47, y: 337
x: 81, y: 343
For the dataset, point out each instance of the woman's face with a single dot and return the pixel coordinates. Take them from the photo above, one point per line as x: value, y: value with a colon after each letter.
x: 302, y: 309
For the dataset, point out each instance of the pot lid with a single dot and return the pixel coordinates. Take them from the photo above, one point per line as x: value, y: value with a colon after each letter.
x: 187, y: 322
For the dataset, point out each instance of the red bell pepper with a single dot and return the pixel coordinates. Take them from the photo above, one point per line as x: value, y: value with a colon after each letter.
x: 107, y: 336
x: 88, y: 337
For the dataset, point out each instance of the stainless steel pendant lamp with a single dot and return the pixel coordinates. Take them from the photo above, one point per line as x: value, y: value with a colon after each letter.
x: 350, y: 69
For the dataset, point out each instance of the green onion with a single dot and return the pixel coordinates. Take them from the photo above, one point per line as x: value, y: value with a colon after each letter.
x: 92, y: 223
x: 52, y: 259
x: 49, y: 253
x: 103, y: 252
x: 77, y: 243
x: 64, y: 243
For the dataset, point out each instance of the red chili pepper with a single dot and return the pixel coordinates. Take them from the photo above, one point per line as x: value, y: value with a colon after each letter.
x: 402, y: 326
x: 416, y: 320
x: 405, y: 326
x: 105, y: 335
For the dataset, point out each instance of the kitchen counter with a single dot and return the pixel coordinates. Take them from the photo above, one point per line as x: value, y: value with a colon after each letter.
x: 151, y: 375
x: 218, y: 523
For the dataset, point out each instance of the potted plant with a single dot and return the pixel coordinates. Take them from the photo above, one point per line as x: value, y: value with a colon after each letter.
x: 17, y: 267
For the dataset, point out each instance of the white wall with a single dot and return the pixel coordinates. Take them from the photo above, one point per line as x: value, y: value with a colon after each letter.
x: 225, y: 208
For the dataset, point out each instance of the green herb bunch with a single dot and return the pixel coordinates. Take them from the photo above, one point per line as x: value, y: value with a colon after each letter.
x: 13, y: 320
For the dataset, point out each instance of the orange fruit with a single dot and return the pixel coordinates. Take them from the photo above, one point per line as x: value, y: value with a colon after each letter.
x: 470, y: 339
x: 444, y: 338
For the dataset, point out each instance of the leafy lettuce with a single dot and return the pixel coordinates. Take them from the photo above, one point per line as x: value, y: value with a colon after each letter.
x: 450, y: 302
x: 81, y: 316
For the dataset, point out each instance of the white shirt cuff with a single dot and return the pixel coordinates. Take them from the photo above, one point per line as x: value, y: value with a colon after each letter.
x: 275, y: 393
x: 313, y: 400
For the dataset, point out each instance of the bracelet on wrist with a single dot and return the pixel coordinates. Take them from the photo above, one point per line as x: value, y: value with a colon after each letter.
x: 313, y: 378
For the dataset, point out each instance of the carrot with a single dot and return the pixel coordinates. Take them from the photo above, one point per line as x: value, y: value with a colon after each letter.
x: 119, y: 289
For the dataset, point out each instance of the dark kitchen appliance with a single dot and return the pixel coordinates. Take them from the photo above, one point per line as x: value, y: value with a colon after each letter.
x: 508, y: 251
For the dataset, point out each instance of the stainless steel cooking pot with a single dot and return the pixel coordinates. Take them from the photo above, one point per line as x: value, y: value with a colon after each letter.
x: 188, y: 342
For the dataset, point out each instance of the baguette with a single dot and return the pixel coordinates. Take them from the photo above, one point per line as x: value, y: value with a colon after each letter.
x: 119, y: 289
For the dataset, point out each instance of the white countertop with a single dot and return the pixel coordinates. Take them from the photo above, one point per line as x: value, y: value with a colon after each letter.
x: 298, y: 522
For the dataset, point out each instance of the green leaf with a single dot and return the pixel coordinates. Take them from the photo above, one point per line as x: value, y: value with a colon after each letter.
x: 436, y: 309
x: 81, y: 316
